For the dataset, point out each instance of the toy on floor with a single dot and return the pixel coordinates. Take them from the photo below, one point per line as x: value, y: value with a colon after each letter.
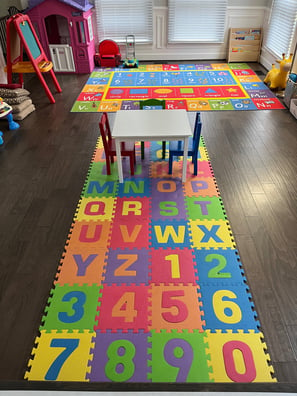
x: 6, y: 111
x: 277, y: 78
x: 130, y: 60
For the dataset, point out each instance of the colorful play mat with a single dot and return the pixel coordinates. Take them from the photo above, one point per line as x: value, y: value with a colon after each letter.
x: 150, y: 287
x: 194, y: 87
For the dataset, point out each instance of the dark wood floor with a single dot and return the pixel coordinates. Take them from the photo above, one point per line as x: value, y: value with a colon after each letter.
x: 43, y: 167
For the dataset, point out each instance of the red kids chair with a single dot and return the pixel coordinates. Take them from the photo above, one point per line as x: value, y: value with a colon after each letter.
x: 109, y: 54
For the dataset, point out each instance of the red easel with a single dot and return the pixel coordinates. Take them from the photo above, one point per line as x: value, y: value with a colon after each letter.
x: 21, y: 35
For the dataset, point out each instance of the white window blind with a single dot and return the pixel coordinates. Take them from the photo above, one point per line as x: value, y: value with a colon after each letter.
x: 196, y: 21
x: 118, y: 18
x: 281, y: 27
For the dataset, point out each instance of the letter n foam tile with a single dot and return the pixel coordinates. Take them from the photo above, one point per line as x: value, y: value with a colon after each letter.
x: 179, y: 357
x: 239, y: 357
x: 175, y: 308
x: 60, y: 356
x: 119, y: 357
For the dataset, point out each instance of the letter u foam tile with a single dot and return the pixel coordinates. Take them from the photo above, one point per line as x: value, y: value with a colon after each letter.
x: 150, y: 287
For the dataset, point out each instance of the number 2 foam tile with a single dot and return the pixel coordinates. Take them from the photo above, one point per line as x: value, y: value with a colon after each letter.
x: 179, y: 357
x: 239, y: 357
x: 60, y: 356
x: 72, y: 308
x: 115, y: 350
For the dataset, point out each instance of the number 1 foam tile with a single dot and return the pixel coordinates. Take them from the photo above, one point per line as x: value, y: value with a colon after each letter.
x: 123, y: 308
x: 115, y: 350
x: 179, y: 357
x: 60, y: 356
x: 228, y: 307
x: 239, y: 357
x: 219, y: 266
x: 127, y: 267
x: 187, y: 314
x: 81, y: 265
x: 172, y: 267
x: 212, y: 234
x: 72, y: 308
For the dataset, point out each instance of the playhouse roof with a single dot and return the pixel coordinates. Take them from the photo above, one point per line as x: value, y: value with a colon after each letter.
x: 82, y: 5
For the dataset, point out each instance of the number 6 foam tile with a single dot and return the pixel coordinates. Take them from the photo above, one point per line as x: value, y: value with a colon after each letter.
x: 179, y: 357
x: 119, y: 357
x: 239, y: 357
x: 72, y: 308
x: 60, y: 356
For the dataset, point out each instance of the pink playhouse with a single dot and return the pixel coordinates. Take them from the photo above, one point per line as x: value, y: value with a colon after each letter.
x: 65, y: 31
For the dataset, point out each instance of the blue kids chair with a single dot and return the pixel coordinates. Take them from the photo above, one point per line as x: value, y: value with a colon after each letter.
x: 176, y: 147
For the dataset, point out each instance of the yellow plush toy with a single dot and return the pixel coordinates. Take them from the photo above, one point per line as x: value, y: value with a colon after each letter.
x: 277, y: 78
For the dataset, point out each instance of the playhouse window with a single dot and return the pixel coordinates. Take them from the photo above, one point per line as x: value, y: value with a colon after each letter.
x: 81, y: 32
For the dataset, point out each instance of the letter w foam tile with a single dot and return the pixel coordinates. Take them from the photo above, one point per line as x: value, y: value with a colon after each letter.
x: 60, y: 356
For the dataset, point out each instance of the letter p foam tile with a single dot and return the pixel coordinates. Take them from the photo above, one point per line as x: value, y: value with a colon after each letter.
x: 150, y: 286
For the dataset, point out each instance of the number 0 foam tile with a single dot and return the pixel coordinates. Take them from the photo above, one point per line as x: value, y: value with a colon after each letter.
x: 60, y: 356
x: 239, y: 357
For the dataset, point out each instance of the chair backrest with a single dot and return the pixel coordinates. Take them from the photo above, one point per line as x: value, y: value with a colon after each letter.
x: 197, y: 133
x: 108, y: 47
x: 105, y: 132
x: 152, y: 104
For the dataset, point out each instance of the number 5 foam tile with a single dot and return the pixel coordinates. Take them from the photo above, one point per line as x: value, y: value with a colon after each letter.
x: 175, y: 308
x: 239, y: 357
x: 60, y: 356
x: 72, y: 308
x: 119, y: 357
x: 228, y: 308
x: 179, y: 357
x: 219, y: 266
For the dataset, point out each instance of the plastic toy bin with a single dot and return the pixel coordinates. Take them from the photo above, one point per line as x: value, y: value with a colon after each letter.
x: 290, y: 92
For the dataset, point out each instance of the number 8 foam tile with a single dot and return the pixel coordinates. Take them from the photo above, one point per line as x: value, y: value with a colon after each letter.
x: 119, y: 357
x: 239, y: 357
x: 60, y: 356
x: 179, y: 357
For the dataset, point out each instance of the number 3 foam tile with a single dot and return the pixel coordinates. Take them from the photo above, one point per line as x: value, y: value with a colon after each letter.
x: 119, y: 357
x: 175, y: 308
x: 60, y: 356
x: 228, y: 309
x: 72, y: 308
x: 179, y: 357
x: 239, y: 357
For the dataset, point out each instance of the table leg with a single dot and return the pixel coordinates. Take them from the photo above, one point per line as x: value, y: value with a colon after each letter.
x: 119, y: 160
x: 185, y: 160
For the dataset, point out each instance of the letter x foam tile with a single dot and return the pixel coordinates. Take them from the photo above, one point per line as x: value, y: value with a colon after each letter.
x: 150, y: 287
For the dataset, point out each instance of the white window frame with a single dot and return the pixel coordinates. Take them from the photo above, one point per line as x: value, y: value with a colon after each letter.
x: 282, y: 27
x: 197, y: 21
x: 118, y: 18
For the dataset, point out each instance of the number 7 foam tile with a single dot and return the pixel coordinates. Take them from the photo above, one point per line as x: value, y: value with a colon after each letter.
x: 239, y: 357
x: 60, y: 356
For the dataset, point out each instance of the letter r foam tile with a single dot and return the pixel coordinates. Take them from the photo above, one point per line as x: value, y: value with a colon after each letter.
x: 60, y: 356
x: 179, y: 357
x: 239, y: 357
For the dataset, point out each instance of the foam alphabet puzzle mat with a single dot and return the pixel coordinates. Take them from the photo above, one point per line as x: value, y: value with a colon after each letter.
x: 194, y: 87
x: 150, y: 287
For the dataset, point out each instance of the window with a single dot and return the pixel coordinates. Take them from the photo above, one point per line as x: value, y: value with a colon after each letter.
x: 196, y: 21
x: 118, y: 18
x: 281, y: 27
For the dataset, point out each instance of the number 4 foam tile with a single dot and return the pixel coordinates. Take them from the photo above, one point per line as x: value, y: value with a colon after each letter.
x: 179, y: 357
x: 239, y: 357
x: 60, y: 357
